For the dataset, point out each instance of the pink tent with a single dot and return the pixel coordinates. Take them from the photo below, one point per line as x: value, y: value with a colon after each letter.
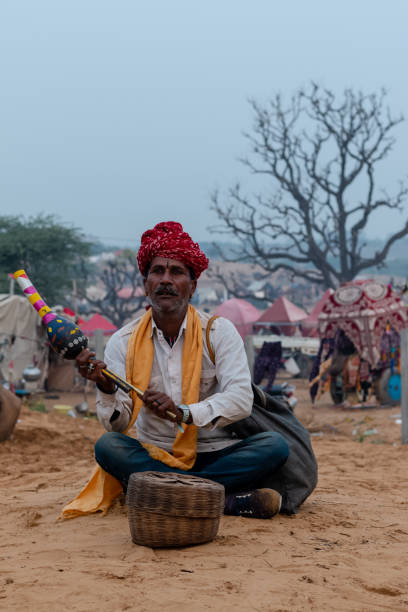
x: 240, y: 312
x: 97, y: 321
x: 309, y: 325
x: 127, y: 292
x: 281, y: 315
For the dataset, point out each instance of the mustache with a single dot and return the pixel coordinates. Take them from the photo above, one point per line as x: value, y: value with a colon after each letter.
x: 165, y: 291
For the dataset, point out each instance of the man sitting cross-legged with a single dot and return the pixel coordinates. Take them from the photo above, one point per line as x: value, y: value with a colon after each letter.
x: 165, y: 352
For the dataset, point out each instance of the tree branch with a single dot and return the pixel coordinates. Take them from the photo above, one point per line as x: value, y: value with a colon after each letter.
x: 314, y: 150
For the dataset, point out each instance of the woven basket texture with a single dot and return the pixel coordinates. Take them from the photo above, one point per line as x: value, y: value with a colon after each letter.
x: 169, y: 509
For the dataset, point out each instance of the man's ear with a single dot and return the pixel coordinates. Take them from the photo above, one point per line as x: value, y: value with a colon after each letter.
x: 193, y: 287
x: 145, y: 286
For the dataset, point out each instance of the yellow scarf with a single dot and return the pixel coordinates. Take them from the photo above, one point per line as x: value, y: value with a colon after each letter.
x: 103, y: 488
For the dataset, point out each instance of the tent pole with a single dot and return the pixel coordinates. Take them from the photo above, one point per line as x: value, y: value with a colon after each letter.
x: 99, y: 343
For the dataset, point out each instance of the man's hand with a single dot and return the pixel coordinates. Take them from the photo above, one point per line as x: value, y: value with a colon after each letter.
x: 91, y: 369
x: 162, y: 405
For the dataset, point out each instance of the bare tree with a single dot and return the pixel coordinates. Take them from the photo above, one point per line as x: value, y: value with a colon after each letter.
x: 121, y: 273
x: 240, y: 284
x: 321, y: 155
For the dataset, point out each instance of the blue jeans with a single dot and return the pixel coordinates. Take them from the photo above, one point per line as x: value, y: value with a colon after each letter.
x: 238, y: 467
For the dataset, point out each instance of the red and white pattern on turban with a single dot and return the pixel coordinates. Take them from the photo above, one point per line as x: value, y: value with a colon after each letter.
x: 167, y: 239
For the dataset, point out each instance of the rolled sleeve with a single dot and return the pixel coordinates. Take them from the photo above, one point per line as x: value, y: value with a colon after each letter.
x: 107, y: 405
x: 121, y: 402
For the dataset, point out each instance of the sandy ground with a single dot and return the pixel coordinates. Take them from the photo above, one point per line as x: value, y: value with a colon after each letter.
x: 347, y: 549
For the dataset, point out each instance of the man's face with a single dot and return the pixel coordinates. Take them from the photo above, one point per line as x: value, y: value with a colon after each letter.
x: 169, y: 286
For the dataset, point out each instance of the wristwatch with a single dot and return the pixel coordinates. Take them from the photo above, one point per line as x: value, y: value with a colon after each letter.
x: 186, y: 412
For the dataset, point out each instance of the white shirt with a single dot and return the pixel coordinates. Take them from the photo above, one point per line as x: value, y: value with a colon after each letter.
x: 225, y: 388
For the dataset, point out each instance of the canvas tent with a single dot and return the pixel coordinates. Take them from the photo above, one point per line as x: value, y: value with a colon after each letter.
x: 97, y: 321
x: 129, y: 292
x: 23, y: 341
x: 240, y: 312
x: 309, y: 326
x: 281, y: 317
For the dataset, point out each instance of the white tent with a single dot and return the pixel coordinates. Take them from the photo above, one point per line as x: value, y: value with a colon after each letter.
x: 23, y: 341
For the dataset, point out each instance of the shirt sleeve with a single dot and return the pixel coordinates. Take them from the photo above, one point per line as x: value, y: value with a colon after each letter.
x: 234, y: 398
x: 114, y: 410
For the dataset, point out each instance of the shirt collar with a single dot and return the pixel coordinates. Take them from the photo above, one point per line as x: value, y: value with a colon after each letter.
x: 182, y: 327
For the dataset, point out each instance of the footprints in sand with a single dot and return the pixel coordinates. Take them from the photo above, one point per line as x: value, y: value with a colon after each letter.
x: 382, y: 590
x: 30, y: 518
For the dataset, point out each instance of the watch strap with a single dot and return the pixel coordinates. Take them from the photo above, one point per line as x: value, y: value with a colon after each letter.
x: 186, y: 412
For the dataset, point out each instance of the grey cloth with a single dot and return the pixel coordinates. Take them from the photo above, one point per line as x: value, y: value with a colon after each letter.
x: 297, y: 478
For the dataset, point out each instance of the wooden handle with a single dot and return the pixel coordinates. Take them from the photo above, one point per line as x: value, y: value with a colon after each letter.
x: 127, y: 387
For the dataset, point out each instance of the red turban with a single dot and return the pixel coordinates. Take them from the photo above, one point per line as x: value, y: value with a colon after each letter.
x: 168, y: 239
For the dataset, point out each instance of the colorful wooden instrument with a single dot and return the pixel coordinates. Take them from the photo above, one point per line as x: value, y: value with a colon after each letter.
x: 64, y: 336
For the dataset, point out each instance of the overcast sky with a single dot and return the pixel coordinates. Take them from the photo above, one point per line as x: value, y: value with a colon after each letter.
x: 117, y: 115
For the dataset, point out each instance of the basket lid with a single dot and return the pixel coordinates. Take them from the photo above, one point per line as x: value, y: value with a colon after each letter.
x: 175, y: 494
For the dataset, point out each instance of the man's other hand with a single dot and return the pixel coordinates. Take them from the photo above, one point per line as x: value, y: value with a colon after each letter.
x: 162, y: 405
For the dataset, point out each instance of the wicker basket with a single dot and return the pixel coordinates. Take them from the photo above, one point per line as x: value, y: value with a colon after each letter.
x: 169, y: 509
